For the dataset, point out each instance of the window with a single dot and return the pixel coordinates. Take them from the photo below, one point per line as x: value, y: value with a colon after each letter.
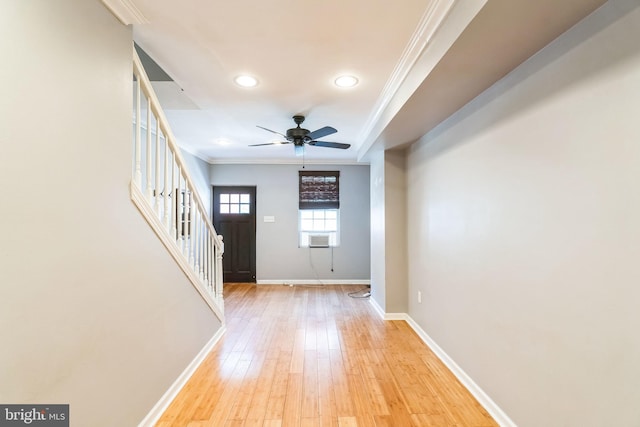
x: 318, y: 222
x: 319, y: 208
x: 235, y: 203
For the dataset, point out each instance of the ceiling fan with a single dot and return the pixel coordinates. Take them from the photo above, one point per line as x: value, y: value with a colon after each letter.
x: 299, y: 137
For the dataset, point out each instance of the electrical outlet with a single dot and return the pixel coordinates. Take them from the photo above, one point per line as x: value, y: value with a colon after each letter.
x: 419, y: 297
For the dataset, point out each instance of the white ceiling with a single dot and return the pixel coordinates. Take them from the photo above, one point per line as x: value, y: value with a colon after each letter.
x: 418, y: 61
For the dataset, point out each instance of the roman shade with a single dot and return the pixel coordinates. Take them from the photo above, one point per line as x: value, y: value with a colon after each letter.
x: 319, y: 190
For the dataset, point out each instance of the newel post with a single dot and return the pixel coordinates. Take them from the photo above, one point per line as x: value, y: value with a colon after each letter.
x: 219, y: 275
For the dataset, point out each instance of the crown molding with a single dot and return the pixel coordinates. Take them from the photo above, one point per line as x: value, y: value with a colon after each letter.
x: 431, y: 20
x: 441, y: 24
x: 281, y: 161
x: 126, y: 11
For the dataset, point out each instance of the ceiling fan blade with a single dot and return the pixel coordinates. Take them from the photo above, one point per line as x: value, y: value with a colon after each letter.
x: 270, y: 143
x: 327, y: 130
x: 330, y: 144
x: 273, y: 131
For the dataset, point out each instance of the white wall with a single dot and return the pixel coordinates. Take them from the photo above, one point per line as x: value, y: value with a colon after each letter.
x: 524, y: 230
x: 277, y: 252
x: 93, y: 310
x: 389, y: 231
x: 378, y: 245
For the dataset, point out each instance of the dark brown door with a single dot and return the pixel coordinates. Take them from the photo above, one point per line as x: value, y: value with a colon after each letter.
x: 234, y: 217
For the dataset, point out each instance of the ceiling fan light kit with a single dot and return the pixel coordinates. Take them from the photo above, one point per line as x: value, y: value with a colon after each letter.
x: 300, y: 137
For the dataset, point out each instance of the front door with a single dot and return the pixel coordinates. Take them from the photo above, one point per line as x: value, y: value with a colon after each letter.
x: 234, y: 217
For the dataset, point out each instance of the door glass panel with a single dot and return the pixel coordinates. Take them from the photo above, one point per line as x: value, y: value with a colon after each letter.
x: 235, y: 203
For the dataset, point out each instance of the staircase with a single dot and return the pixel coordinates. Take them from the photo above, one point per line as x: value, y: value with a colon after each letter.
x: 166, y: 196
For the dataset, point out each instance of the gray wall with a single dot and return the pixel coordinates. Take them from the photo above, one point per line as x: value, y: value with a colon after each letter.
x: 395, y: 232
x: 524, y: 230
x: 93, y: 310
x: 199, y: 171
x: 278, y: 256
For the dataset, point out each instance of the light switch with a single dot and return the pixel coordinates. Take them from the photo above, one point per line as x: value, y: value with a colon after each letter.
x: 269, y: 219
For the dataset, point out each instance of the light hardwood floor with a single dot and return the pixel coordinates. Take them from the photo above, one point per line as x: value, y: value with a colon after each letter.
x: 313, y: 356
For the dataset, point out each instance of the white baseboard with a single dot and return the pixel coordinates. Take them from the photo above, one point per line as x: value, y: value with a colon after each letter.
x: 487, y: 403
x: 156, y: 412
x: 293, y: 282
x: 377, y: 307
x: 388, y: 316
x: 396, y: 316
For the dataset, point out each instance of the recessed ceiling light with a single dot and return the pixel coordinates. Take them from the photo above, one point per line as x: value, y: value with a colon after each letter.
x: 222, y: 142
x: 346, y: 81
x: 246, y: 81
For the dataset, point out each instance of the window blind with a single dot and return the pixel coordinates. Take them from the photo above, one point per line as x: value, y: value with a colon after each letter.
x: 319, y: 190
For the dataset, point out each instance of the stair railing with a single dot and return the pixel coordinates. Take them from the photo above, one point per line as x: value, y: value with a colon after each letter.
x: 165, y: 194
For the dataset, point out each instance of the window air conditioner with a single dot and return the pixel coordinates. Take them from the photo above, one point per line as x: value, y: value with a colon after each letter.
x: 318, y: 241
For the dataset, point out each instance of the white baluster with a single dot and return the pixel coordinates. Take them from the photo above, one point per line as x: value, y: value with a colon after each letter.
x: 206, y: 257
x: 203, y: 242
x: 201, y: 247
x: 191, y: 230
x: 148, y: 164
x: 201, y: 252
x: 210, y: 260
x: 174, y: 200
x: 159, y: 194
x: 182, y: 212
x: 167, y: 189
x: 210, y: 263
x: 196, y: 242
x: 214, y: 267
x: 138, y: 171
